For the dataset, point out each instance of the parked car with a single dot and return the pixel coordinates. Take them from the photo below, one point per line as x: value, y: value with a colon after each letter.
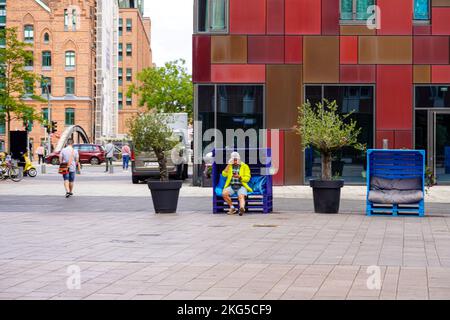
x: 89, y: 153
x: 144, y: 165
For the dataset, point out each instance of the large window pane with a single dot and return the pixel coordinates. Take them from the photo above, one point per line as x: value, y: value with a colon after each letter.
x: 421, y: 9
x: 29, y: 33
x: 346, y: 9
x: 70, y: 117
x: 348, y: 163
x: 46, y: 59
x: 217, y: 15
x: 70, y: 59
x: 205, y: 101
x: 46, y: 83
x: 70, y: 85
x: 211, y: 15
x: 432, y: 97
x: 361, y: 9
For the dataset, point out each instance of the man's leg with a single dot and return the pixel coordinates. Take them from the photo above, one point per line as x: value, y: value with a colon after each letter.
x: 227, y: 198
x: 242, y: 201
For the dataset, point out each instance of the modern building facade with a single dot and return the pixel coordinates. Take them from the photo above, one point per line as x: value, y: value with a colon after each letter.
x: 135, y: 54
x: 387, y: 61
x: 106, y: 90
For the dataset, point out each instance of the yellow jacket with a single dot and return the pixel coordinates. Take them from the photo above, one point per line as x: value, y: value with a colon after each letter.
x: 244, y: 172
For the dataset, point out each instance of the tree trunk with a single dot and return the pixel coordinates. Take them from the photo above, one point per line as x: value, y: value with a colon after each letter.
x: 164, y: 175
x: 326, y: 166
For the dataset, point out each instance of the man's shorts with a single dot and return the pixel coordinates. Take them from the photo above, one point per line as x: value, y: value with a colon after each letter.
x: 240, y: 191
x: 70, y: 176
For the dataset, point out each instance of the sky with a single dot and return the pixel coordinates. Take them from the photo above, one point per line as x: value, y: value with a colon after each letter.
x: 172, y: 22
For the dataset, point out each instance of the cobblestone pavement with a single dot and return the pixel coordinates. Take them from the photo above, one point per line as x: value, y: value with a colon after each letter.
x: 124, y: 251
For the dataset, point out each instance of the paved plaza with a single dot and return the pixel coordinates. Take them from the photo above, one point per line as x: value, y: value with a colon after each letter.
x: 109, y: 236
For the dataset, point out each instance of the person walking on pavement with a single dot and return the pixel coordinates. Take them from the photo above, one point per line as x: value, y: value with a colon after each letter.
x: 109, y: 150
x: 40, y: 154
x: 69, y: 160
x: 126, y: 152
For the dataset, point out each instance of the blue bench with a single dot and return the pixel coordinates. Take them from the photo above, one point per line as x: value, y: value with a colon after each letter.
x: 396, y: 182
x: 261, y: 199
x: 447, y: 160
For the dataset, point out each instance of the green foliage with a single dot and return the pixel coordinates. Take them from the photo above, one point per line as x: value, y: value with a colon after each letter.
x: 13, y: 78
x: 324, y: 128
x: 167, y: 89
x: 150, y: 133
x: 430, y: 179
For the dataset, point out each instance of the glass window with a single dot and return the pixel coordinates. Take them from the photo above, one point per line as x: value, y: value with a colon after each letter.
x: 348, y: 163
x: 120, y: 76
x: 129, y: 74
x: 70, y: 117
x: 74, y: 19
x: 120, y: 26
x: 46, y: 82
x: 120, y: 51
x: 212, y: 15
x: 129, y: 101
x: 129, y: 25
x: 432, y: 96
x: 29, y: 33
x: 206, y: 103
x: 421, y: 9
x: 70, y: 85
x: 70, y: 59
x: 30, y: 61
x: 120, y: 100
x: 45, y: 114
x: 46, y: 38
x: 66, y: 19
x: 129, y: 49
x: 355, y: 9
x: 29, y: 86
x: 46, y: 59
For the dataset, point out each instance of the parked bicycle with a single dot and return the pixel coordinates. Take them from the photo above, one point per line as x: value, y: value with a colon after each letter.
x: 10, y: 171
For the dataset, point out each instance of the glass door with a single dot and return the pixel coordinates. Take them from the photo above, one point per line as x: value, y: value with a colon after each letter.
x: 441, y: 146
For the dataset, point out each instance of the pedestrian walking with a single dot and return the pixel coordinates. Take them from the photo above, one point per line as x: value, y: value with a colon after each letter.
x: 109, y: 150
x: 69, y: 160
x: 40, y: 153
x: 126, y: 152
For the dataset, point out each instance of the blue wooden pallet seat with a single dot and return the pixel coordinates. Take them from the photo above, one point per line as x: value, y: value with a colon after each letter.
x: 396, y: 182
x: 261, y: 199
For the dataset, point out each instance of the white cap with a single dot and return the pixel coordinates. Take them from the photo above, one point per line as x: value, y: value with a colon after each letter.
x: 235, y: 155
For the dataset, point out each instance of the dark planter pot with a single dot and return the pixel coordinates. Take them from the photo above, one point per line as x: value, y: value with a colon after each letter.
x: 165, y: 195
x: 327, y: 195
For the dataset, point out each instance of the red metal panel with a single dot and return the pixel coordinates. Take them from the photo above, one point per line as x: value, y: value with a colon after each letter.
x: 403, y: 139
x: 349, y: 49
x: 201, y: 62
x: 293, y: 49
x: 248, y: 17
x: 275, y: 16
x: 396, y: 17
x: 278, y: 178
x: 330, y: 17
x: 266, y: 49
x: 422, y: 30
x: 394, y: 97
x: 303, y: 16
x: 357, y: 74
x: 384, y: 134
x: 441, y: 21
x: 440, y: 74
x: 238, y: 73
x: 431, y: 50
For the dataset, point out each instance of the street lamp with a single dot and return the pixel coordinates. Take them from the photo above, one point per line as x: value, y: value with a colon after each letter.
x: 45, y: 82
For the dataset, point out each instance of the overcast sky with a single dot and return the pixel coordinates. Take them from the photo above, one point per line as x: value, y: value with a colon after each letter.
x: 171, y: 30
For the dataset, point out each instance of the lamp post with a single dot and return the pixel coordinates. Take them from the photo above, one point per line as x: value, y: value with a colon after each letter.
x: 44, y: 82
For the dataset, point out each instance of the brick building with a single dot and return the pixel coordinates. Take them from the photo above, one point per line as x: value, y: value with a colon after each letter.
x: 256, y: 61
x: 135, y: 54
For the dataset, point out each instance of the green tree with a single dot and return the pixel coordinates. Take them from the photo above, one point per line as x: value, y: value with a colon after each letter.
x: 166, y: 89
x: 14, y: 79
x: 150, y: 133
x: 324, y: 128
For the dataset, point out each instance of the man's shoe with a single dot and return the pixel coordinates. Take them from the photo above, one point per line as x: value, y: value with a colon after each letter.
x: 232, y: 211
x: 241, y: 211
x: 67, y: 194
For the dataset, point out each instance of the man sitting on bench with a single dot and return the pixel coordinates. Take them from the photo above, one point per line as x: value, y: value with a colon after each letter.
x: 238, y: 175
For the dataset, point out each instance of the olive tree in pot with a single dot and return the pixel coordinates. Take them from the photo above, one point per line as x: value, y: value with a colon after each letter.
x: 326, y: 130
x: 150, y: 133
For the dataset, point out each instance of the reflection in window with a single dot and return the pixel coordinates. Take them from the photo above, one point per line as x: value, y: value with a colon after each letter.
x: 70, y: 59
x: 29, y: 33
x: 421, y: 9
x: 355, y: 9
x: 348, y: 163
x: 70, y: 117
x: 432, y: 96
x: 46, y: 59
x: 211, y: 15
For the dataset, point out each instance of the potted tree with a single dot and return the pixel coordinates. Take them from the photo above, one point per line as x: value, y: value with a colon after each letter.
x: 150, y: 133
x: 327, y: 131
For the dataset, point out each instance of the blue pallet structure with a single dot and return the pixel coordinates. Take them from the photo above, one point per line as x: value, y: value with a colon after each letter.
x: 447, y: 160
x: 396, y: 165
x: 259, y: 161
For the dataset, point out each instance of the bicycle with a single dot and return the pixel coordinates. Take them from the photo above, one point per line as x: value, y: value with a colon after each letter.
x: 9, y: 171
